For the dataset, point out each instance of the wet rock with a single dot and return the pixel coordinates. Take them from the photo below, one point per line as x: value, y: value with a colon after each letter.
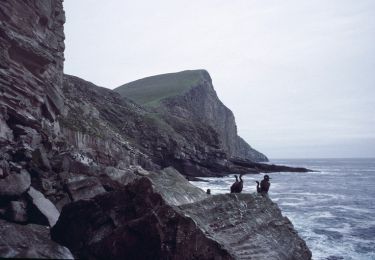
x: 45, y: 206
x: 29, y: 241
x: 134, y: 223
x: 15, y: 184
x: 84, y: 188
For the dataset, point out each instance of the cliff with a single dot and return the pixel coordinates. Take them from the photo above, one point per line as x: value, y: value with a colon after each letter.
x: 66, y: 144
x: 189, y: 97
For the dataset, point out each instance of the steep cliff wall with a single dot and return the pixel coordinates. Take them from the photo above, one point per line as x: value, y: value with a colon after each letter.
x: 31, y: 70
x: 31, y: 63
x: 190, y: 95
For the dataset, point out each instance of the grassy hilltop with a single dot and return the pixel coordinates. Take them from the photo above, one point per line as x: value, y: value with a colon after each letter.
x: 151, y: 90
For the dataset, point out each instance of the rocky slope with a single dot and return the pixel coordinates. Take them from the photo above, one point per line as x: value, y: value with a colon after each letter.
x: 189, y: 97
x: 66, y: 142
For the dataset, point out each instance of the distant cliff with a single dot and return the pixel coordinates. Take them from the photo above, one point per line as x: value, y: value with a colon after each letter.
x: 189, y: 96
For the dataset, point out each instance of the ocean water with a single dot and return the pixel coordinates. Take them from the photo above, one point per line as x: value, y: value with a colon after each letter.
x: 333, y: 210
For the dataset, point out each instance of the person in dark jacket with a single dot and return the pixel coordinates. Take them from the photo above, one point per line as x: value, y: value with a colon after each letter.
x: 264, y: 185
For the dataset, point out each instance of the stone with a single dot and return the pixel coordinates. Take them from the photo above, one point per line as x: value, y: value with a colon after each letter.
x: 40, y: 158
x: 122, y: 176
x: 175, y: 188
x: 17, y: 211
x: 134, y: 223
x: 15, y: 184
x: 137, y: 223
x: 84, y: 188
x: 45, y: 206
x: 249, y: 226
x: 29, y: 241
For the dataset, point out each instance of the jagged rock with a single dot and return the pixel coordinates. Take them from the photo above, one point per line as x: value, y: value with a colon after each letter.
x: 15, y: 184
x: 4, y: 169
x: 29, y: 241
x: 134, y: 223
x: 122, y: 176
x: 175, y: 188
x: 17, y: 211
x: 45, y: 206
x: 40, y: 158
x: 249, y: 226
x: 31, y: 60
x: 84, y: 188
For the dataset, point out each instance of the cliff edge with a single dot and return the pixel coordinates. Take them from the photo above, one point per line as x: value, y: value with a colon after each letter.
x: 189, y: 97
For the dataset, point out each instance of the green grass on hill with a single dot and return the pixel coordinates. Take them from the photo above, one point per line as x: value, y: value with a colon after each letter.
x: 151, y: 90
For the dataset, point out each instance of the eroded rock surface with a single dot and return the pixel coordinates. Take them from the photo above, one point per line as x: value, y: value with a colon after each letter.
x: 137, y: 223
x: 29, y: 241
x: 134, y: 223
x: 249, y: 226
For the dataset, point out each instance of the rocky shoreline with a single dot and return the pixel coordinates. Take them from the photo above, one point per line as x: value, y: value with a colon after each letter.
x: 116, y: 169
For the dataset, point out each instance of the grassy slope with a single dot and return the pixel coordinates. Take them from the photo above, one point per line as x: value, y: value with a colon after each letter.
x: 149, y: 91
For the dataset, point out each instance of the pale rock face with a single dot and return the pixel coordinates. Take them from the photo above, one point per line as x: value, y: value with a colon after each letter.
x: 45, y: 206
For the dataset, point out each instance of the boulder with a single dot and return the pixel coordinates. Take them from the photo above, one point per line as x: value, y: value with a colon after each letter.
x: 134, y: 223
x: 137, y: 223
x: 29, y: 241
x: 249, y: 226
x: 15, y: 184
x: 45, y: 206
x: 84, y: 188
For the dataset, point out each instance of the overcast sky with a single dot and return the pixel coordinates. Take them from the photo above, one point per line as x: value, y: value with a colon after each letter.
x: 298, y: 75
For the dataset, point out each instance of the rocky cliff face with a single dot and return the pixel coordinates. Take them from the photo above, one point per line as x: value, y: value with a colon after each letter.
x: 195, y: 102
x: 31, y: 62
x: 68, y: 144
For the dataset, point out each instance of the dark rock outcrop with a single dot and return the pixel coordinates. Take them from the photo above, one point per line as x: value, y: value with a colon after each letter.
x: 29, y: 241
x: 136, y: 223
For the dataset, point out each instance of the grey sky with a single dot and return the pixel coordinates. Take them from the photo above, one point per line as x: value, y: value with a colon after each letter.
x: 298, y: 75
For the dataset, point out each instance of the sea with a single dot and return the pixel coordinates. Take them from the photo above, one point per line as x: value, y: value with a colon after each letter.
x: 333, y: 209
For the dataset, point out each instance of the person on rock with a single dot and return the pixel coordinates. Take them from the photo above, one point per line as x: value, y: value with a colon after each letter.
x: 264, y: 185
